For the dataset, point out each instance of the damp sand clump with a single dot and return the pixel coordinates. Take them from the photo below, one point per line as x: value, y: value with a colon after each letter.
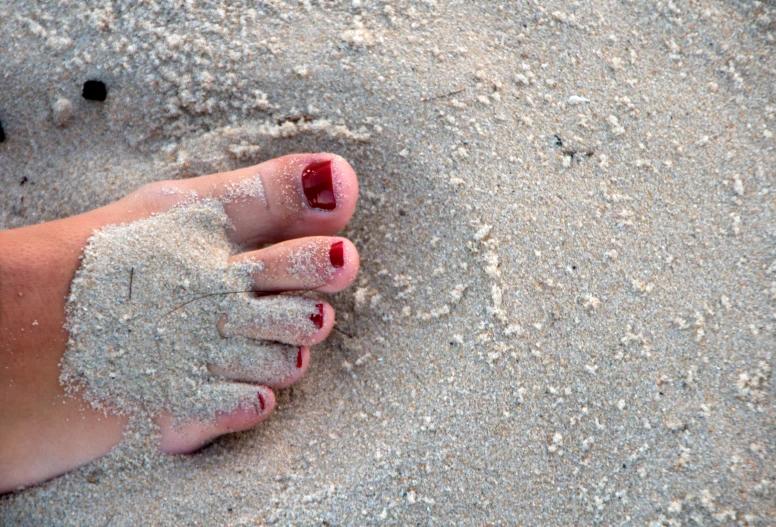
x: 143, y: 313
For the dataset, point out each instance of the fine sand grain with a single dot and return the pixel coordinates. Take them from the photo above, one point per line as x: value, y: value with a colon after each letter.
x: 143, y: 311
x: 566, y: 308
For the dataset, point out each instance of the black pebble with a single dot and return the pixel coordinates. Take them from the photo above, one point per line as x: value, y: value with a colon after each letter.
x: 94, y: 91
x: 2, y: 133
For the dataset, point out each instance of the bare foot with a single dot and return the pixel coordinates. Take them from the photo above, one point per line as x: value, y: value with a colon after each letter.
x: 43, y: 431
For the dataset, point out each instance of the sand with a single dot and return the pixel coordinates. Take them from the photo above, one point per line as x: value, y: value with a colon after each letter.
x: 566, y: 309
x: 144, y: 311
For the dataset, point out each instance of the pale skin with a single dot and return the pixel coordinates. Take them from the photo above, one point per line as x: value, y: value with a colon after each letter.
x: 44, y: 432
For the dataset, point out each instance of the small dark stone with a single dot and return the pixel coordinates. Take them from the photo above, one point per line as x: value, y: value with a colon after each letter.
x: 94, y: 91
x: 24, y: 180
x: 2, y: 133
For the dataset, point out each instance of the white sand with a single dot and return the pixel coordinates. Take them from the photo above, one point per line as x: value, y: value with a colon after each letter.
x: 143, y: 312
x: 539, y: 338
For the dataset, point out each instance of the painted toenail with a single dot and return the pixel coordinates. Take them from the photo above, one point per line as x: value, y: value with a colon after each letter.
x: 337, y: 254
x: 261, y: 401
x: 299, y: 358
x: 317, y: 318
x: 317, y: 185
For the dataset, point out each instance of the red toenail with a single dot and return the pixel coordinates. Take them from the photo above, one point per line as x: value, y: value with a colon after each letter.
x: 299, y: 358
x: 317, y: 185
x: 261, y: 402
x: 317, y: 318
x: 337, y: 254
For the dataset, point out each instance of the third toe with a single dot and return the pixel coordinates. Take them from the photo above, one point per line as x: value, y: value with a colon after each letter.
x: 289, y: 319
x: 268, y: 363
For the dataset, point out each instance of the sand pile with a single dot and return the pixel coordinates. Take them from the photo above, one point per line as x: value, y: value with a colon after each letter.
x: 143, y: 312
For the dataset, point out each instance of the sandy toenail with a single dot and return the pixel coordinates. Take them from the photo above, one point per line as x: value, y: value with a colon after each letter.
x: 317, y: 317
x: 337, y: 254
x: 317, y: 185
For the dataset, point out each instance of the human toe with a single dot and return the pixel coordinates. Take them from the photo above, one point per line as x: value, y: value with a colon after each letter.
x: 192, y: 436
x: 321, y: 263
x: 284, y: 198
x: 268, y: 363
x: 290, y: 319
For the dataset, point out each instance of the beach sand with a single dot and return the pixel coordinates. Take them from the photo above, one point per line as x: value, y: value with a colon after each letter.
x: 567, y: 301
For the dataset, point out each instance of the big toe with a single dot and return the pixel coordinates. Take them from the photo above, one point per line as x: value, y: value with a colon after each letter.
x: 288, y: 197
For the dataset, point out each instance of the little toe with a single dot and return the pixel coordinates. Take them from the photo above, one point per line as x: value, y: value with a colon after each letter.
x: 192, y: 436
x: 289, y: 319
x: 268, y: 363
x: 284, y: 198
x: 320, y: 263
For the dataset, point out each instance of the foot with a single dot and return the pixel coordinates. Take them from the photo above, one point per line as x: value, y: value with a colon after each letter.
x: 294, y: 202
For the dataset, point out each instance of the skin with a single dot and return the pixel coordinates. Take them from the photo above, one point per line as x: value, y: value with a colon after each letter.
x: 43, y: 432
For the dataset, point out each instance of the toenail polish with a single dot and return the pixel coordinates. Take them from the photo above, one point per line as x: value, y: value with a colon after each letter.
x: 317, y: 185
x: 317, y: 318
x: 337, y: 254
x: 261, y: 402
x: 299, y: 358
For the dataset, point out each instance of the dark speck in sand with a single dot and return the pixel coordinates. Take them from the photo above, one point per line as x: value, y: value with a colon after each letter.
x: 94, y: 91
x: 2, y: 133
